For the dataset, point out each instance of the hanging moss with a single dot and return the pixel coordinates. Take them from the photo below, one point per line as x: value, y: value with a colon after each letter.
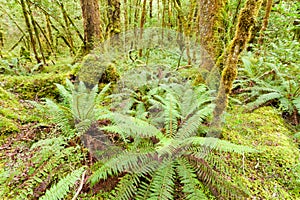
x: 237, y: 45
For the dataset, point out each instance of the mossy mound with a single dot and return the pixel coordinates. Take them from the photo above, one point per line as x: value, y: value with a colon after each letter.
x: 272, y: 172
x: 10, y: 112
x: 33, y: 86
x: 14, y: 114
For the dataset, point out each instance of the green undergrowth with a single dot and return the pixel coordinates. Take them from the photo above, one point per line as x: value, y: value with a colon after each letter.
x: 273, y: 173
x: 12, y: 113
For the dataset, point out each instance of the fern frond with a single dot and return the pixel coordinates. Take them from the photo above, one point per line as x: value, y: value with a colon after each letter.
x: 127, y: 187
x: 191, y: 126
x: 162, y: 185
x: 171, y: 113
x: 130, y: 126
x: 264, y: 98
x: 188, y: 177
x: 101, y: 96
x: 219, y: 145
x: 59, y: 115
x: 126, y: 162
x: 67, y: 95
x: 296, y: 102
x: 61, y: 189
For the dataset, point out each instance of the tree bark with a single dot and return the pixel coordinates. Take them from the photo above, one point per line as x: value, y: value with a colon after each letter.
x: 210, y: 25
x: 114, y: 17
x: 91, y: 23
x: 242, y: 35
x: 265, y: 22
x: 27, y: 22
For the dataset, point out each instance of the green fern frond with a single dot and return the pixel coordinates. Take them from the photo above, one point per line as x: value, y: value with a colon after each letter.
x: 130, y: 126
x: 67, y: 95
x: 262, y: 99
x: 296, y: 102
x: 61, y: 189
x: 191, y: 126
x: 128, y: 161
x: 170, y: 112
x: 188, y: 177
x: 219, y: 145
x: 126, y: 188
x: 162, y: 185
x: 102, y: 95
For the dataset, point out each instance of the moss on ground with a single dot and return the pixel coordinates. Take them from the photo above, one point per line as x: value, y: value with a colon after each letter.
x: 13, y: 114
x: 270, y: 173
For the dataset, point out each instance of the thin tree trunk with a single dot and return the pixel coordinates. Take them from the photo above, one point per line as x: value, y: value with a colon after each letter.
x: 151, y: 9
x: 265, y: 22
x: 67, y: 25
x: 125, y: 8
x: 36, y: 32
x: 143, y: 20
x: 27, y: 22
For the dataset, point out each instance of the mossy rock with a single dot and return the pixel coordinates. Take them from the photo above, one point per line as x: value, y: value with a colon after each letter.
x: 270, y: 173
x: 94, y: 70
x: 34, y: 86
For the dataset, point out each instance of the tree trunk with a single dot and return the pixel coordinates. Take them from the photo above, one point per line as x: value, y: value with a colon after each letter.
x: 114, y: 17
x: 210, y: 25
x: 265, y: 23
x: 242, y: 35
x: 91, y: 23
x: 27, y: 22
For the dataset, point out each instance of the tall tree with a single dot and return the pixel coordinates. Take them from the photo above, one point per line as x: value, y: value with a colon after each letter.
x: 91, y: 23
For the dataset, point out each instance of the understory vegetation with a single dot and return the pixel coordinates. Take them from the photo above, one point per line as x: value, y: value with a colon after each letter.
x: 132, y: 117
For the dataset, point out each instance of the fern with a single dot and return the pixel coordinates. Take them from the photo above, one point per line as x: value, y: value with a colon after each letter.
x: 188, y: 177
x: 129, y: 126
x: 61, y: 189
x: 162, y: 185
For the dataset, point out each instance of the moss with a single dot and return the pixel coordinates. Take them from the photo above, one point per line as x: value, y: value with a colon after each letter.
x: 94, y: 70
x: 12, y: 113
x: 268, y: 174
x: 34, y: 86
x: 8, y: 125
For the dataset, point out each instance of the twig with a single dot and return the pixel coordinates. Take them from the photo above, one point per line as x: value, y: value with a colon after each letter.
x: 80, y: 186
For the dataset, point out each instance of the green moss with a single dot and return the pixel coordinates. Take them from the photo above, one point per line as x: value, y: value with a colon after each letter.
x: 13, y: 113
x: 268, y: 174
x: 34, y: 86
x: 94, y: 70
x: 8, y: 125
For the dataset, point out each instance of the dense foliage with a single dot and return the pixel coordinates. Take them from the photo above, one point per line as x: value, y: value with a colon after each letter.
x: 131, y: 120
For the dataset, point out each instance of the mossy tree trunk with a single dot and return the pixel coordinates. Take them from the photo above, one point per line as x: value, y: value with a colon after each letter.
x: 210, y: 24
x: 114, y: 17
x: 265, y: 22
x: 242, y: 34
x: 91, y: 23
x: 36, y: 32
x: 29, y: 30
